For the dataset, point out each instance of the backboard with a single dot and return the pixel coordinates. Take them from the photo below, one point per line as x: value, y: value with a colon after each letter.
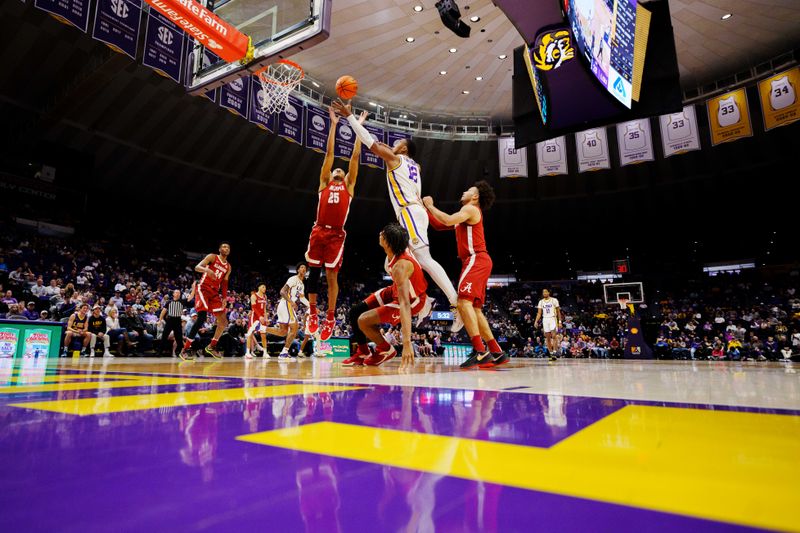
x: 632, y: 292
x: 278, y: 28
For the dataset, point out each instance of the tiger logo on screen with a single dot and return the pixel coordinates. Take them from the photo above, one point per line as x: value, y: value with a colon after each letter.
x: 552, y: 50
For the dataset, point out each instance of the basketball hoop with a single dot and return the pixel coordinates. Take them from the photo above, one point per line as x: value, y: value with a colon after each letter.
x: 277, y: 81
x: 623, y: 303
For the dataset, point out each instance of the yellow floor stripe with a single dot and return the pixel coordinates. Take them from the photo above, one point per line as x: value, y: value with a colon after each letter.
x: 733, y: 467
x: 120, y: 382
x: 139, y: 402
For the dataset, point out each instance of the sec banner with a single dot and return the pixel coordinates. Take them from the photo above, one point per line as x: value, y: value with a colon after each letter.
x: 729, y: 117
x: 551, y: 157
x: 779, y: 101
x: 679, y: 132
x: 513, y: 161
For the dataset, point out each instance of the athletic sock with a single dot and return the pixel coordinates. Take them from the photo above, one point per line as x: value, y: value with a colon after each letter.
x: 187, y: 345
x: 477, y: 344
x: 213, y: 343
x: 384, y: 347
x: 312, y: 308
x: 330, y: 315
x: 494, y: 347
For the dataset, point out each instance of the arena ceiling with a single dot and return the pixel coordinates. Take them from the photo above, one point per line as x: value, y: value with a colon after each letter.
x: 368, y: 41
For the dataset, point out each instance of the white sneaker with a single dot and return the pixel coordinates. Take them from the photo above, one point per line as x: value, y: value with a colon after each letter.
x: 267, y: 356
x: 458, y: 322
x: 426, y: 310
x: 91, y: 354
x: 285, y: 356
x: 248, y: 355
x: 107, y: 354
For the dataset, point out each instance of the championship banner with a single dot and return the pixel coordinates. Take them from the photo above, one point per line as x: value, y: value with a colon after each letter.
x: 729, y: 117
x: 345, y: 140
x: 592, y: 147
x: 394, y: 136
x: 117, y: 23
x: 367, y: 157
x: 779, y: 101
x: 75, y: 12
x: 513, y: 162
x: 262, y: 119
x: 290, y: 122
x: 318, y: 124
x: 679, y: 132
x: 635, y: 141
x: 235, y: 96
x: 163, y: 46
x: 551, y: 157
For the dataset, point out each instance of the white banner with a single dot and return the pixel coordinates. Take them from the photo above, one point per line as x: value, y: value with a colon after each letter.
x: 635, y: 141
x: 551, y: 157
x: 679, y: 132
x: 592, y: 147
x: 513, y: 162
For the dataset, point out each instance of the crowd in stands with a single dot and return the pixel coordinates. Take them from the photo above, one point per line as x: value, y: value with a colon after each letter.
x: 743, y: 317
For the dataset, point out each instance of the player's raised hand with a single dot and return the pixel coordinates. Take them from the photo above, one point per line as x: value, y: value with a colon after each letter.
x: 333, y: 115
x: 341, y: 108
x: 427, y: 201
x: 363, y: 117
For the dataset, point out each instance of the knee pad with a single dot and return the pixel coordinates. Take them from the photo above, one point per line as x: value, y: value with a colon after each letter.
x: 312, y: 282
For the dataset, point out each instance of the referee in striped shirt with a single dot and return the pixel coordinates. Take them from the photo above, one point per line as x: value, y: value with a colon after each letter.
x: 173, y: 310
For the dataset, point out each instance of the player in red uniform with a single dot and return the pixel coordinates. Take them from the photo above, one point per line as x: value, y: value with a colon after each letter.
x: 258, y: 308
x: 395, y: 304
x: 216, y: 272
x: 326, y: 243
x: 476, y: 266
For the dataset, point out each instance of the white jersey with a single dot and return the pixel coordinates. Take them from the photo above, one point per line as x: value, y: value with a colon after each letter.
x: 728, y: 113
x: 296, y: 288
x: 781, y: 93
x: 548, y: 307
x: 405, y: 183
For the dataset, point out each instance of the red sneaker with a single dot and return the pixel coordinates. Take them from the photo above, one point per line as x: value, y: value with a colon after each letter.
x: 379, y: 359
x: 357, y: 359
x: 312, y: 323
x: 327, y: 329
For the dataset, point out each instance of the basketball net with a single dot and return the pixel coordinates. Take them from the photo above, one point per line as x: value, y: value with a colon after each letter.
x: 623, y: 303
x: 277, y: 81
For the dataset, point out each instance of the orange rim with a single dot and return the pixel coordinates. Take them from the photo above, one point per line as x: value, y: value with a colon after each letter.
x: 261, y: 73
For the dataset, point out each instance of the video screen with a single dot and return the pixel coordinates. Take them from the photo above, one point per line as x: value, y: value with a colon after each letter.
x: 604, y: 32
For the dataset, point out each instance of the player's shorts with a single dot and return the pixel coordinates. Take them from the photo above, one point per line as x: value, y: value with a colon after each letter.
x: 475, y: 272
x: 389, y: 309
x: 549, y: 324
x: 208, y: 300
x: 286, y: 313
x: 414, y: 218
x: 252, y: 321
x: 326, y: 247
x: 256, y: 328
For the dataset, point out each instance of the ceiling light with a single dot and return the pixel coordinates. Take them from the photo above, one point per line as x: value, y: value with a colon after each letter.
x: 418, y: 8
x: 373, y: 104
x: 315, y: 84
x: 726, y: 16
x: 453, y: 50
x: 478, y: 78
x: 474, y: 18
x: 502, y: 56
x: 442, y: 72
x: 409, y: 39
x: 464, y: 92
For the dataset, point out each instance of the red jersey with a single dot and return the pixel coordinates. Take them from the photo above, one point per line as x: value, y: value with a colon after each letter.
x: 469, y: 239
x: 417, y: 279
x: 334, y: 205
x: 220, y: 270
x: 260, y: 308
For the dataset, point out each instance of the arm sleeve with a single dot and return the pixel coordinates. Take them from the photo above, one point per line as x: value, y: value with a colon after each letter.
x: 360, y: 131
x: 438, y: 226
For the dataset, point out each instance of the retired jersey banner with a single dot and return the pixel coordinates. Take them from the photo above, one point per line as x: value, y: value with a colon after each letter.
x: 729, y: 117
x: 367, y: 157
x: 318, y: 124
x: 235, y: 96
x: 163, y: 46
x: 290, y: 122
x: 635, y: 142
x: 551, y: 157
x: 75, y: 12
x: 116, y: 23
x: 779, y: 101
x: 679, y: 132
x: 259, y: 117
x: 345, y: 140
x: 592, y: 147
x: 513, y: 161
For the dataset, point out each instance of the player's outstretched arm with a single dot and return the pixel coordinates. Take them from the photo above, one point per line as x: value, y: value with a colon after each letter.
x: 467, y: 213
x: 401, y: 272
x: 355, y: 158
x: 377, y: 148
x: 327, y: 163
x: 202, y: 266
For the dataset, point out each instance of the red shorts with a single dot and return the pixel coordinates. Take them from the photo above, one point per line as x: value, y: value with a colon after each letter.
x: 325, y: 247
x: 253, y: 319
x: 208, y: 300
x: 389, y: 309
x: 475, y: 272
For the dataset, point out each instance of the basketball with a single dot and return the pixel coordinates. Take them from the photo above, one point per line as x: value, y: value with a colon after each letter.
x: 346, y: 87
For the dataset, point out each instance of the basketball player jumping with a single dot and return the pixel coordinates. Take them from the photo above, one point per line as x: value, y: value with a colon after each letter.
x: 549, y: 309
x: 326, y: 243
x: 404, y: 178
x: 216, y: 272
x: 291, y: 293
x: 476, y: 267
x: 258, y: 309
x: 396, y: 304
